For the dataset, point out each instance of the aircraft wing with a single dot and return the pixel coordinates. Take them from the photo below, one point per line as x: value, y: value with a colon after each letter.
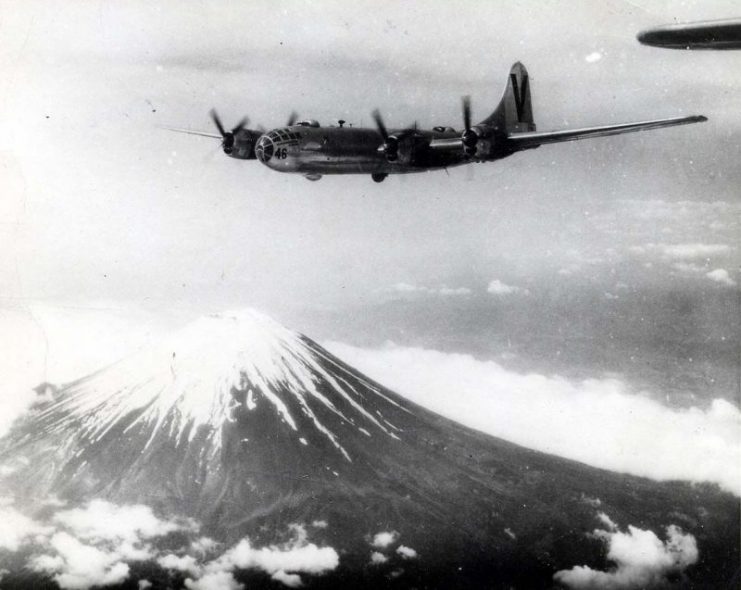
x: 536, y: 138
x: 449, y: 144
x: 190, y: 132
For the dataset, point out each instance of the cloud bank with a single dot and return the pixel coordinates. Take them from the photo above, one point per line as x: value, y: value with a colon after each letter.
x: 410, y: 290
x: 497, y: 287
x: 601, y: 422
x: 93, y: 546
x: 721, y: 275
x: 641, y: 559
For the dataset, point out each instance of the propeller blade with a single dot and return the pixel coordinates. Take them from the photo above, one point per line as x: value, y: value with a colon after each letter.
x: 292, y: 118
x: 241, y: 125
x: 466, y: 112
x: 217, y: 122
x: 379, y: 123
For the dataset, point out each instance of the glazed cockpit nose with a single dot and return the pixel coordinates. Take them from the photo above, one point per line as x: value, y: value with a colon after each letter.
x: 264, y: 149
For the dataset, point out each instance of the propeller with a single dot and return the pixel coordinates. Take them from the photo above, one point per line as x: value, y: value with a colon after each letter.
x: 466, y: 112
x: 390, y: 145
x: 292, y: 118
x: 469, y: 138
x: 227, y: 142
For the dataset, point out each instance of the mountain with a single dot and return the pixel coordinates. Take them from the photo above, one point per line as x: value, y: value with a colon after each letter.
x: 249, y: 430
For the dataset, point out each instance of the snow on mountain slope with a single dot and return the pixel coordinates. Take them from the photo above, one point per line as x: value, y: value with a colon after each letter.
x: 202, y: 375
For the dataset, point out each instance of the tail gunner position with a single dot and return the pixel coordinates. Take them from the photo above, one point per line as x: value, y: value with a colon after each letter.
x: 305, y: 147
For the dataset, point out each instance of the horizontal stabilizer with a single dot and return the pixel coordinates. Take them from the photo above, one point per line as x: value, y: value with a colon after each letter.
x: 534, y: 139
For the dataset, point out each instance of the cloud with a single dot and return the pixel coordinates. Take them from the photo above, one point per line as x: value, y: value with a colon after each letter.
x: 720, y: 275
x: 406, y: 552
x: 593, y: 57
x: 377, y: 558
x: 693, y: 251
x: 290, y: 580
x: 416, y: 290
x: 689, y: 267
x: 283, y: 562
x: 641, y: 559
x: 497, y: 287
x: 17, y: 529
x: 185, y: 563
x: 93, y: 546
x: 569, y: 270
x: 101, y: 520
x: 77, y: 566
x: 607, y: 521
x: 293, y: 558
x: 218, y: 580
x: 384, y: 539
x: 203, y: 545
x: 601, y: 422
x: 453, y: 291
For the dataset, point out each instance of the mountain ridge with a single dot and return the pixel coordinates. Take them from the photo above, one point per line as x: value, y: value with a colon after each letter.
x: 248, y: 427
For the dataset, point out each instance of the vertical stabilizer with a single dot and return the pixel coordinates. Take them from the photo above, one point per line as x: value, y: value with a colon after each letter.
x: 515, y: 112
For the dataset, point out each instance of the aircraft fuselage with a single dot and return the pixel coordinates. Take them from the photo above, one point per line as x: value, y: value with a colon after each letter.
x: 352, y: 150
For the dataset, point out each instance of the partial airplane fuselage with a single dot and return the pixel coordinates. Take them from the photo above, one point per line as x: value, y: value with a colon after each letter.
x: 720, y: 34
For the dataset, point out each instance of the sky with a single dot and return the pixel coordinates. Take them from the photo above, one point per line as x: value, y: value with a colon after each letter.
x: 608, y: 258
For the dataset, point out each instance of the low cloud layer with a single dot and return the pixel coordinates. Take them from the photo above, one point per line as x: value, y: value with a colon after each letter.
x: 601, y: 422
x: 640, y: 558
x: 693, y: 251
x: 721, y: 275
x: 497, y: 287
x: 93, y: 546
x: 410, y: 290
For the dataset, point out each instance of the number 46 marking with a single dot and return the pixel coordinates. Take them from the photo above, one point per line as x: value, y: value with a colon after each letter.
x: 281, y: 153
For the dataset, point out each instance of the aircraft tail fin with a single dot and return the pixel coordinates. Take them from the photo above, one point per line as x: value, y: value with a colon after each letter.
x: 515, y: 112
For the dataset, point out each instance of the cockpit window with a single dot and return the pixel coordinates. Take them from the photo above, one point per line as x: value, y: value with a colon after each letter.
x: 280, y: 135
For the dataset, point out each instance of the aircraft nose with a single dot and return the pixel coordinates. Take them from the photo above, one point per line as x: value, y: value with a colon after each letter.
x: 264, y: 149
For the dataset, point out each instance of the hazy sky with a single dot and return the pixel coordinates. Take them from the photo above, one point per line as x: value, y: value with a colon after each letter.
x: 102, y: 210
x: 101, y: 205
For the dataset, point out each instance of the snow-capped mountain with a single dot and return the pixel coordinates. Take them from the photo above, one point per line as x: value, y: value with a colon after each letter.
x: 247, y: 428
x: 218, y: 371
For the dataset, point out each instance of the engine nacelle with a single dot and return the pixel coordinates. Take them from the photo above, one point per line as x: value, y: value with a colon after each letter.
x: 241, y: 145
x: 478, y: 142
x: 404, y: 147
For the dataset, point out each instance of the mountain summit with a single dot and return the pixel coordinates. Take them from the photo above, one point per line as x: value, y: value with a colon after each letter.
x: 247, y: 428
x: 223, y: 369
